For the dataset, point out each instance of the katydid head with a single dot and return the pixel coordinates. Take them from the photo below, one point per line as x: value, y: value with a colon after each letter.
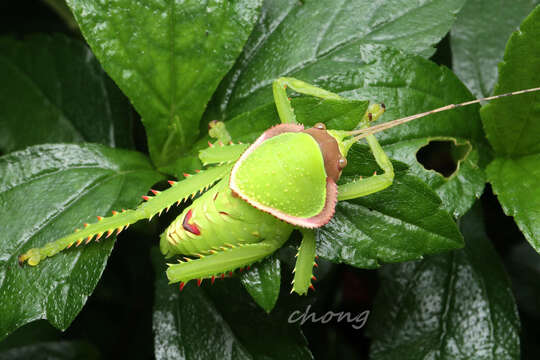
x: 335, y: 144
x: 346, y: 139
x: 334, y: 160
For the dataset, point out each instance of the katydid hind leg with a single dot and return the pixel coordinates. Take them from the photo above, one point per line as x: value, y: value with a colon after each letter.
x: 153, y: 205
x: 221, y: 262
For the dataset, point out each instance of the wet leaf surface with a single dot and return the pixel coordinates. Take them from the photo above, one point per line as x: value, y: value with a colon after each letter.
x: 168, y: 58
x: 457, y: 305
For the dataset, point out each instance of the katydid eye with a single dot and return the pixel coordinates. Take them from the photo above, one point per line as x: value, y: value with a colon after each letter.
x: 342, y: 162
x: 320, y: 126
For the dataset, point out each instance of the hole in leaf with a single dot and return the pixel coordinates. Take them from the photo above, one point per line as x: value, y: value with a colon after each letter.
x: 442, y: 156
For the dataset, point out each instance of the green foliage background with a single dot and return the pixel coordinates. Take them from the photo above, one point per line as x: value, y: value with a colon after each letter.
x: 102, y: 100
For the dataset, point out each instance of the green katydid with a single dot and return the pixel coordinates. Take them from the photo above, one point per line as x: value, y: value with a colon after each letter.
x: 254, y: 196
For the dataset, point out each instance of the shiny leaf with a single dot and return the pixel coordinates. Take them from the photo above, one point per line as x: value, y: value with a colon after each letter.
x: 515, y: 182
x: 478, y: 40
x: 54, y: 90
x: 46, y: 191
x: 314, y: 39
x: 512, y: 126
x: 263, y: 281
x: 409, y: 85
x: 400, y: 223
x: 452, y: 306
x: 168, y: 57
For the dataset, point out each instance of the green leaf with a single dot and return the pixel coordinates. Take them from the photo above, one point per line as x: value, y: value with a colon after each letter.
x: 403, y: 222
x: 54, y: 90
x: 263, y: 281
x: 312, y: 40
x: 63, y: 350
x: 478, y: 39
x: 453, y: 306
x: 409, y: 85
x: 168, y: 57
x: 524, y: 270
x: 219, y: 322
x: 512, y: 125
x: 515, y: 182
x: 47, y: 191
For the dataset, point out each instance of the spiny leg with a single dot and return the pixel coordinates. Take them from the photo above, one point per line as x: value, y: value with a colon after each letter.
x: 283, y: 103
x: 375, y: 183
x: 220, y: 262
x: 162, y: 200
x: 217, y: 154
x: 305, y: 260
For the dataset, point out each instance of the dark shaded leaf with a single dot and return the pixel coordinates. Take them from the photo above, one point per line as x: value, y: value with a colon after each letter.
x: 263, y: 281
x: 39, y: 331
x: 523, y: 265
x: 61, y: 8
x: 54, y: 90
x: 63, y: 350
x: 453, y: 306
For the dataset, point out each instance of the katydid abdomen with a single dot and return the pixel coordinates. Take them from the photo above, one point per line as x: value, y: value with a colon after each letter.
x: 216, y: 223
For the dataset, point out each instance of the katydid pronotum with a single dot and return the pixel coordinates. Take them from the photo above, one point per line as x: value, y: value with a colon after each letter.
x: 252, y: 197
